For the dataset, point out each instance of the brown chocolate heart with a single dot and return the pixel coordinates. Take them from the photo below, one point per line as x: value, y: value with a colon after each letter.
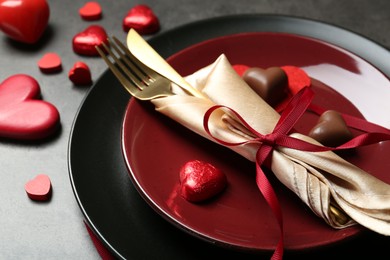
x: 270, y: 84
x: 331, y: 129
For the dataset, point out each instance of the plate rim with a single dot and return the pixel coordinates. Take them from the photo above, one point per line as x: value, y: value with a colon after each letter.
x: 159, y: 208
x: 154, y: 41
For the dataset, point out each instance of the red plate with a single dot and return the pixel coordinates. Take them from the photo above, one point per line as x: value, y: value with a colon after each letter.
x: 155, y: 147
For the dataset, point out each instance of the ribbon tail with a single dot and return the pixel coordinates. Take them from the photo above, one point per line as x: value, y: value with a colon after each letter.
x: 104, y: 253
x: 268, y: 192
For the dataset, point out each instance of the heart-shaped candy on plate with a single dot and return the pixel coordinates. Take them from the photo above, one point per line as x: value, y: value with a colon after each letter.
x: 80, y: 74
x: 84, y: 42
x: 142, y: 19
x: 24, y: 20
x: 22, y: 114
x: 201, y: 181
x: 39, y: 188
x: 331, y: 129
x: 270, y: 84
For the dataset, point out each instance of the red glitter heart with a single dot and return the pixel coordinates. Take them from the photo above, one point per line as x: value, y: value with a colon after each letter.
x: 201, y: 181
x: 91, y: 11
x: 39, y: 188
x: 142, y: 19
x: 24, y: 20
x: 297, y: 78
x: 80, y: 74
x: 22, y: 115
x: 84, y: 42
x: 50, y: 62
x: 240, y: 68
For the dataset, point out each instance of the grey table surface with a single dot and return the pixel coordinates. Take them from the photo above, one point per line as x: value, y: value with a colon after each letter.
x: 55, y: 230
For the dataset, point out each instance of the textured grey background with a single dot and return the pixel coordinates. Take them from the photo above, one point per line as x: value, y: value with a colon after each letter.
x: 55, y: 230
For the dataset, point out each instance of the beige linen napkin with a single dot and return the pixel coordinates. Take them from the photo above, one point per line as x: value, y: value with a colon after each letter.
x: 320, y: 179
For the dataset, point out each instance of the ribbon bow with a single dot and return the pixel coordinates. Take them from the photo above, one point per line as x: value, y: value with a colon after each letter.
x: 300, y: 103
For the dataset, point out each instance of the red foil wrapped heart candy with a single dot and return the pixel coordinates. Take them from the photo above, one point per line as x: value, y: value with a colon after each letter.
x: 84, y: 43
x: 201, y: 181
x: 142, y: 19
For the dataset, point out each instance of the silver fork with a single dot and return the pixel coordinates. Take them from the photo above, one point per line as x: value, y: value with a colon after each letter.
x: 139, y: 80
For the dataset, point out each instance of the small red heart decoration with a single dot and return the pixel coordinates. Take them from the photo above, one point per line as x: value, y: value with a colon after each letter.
x: 91, y: 11
x: 331, y: 129
x: 84, y: 42
x: 297, y: 78
x: 270, y: 84
x: 22, y: 115
x: 39, y: 188
x: 24, y: 20
x: 80, y: 74
x: 240, y: 68
x: 50, y: 62
x: 201, y: 181
x: 142, y: 19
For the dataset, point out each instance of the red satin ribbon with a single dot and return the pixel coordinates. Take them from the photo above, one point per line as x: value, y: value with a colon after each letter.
x: 104, y: 253
x: 300, y: 103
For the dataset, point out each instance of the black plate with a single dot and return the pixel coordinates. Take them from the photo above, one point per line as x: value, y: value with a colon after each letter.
x: 111, y: 205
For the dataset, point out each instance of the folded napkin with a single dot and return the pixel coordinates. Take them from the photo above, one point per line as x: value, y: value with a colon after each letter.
x: 322, y: 180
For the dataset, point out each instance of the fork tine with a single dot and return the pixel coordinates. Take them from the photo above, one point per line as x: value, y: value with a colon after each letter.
x: 128, y: 59
x: 134, y: 80
x: 146, y: 71
x: 140, y: 81
x: 130, y: 87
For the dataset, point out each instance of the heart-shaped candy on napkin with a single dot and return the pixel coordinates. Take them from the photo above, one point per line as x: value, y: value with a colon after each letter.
x: 201, y: 181
x: 84, y: 42
x: 80, y: 74
x: 270, y: 84
x: 24, y: 20
x: 142, y: 19
x: 39, y: 188
x: 91, y: 11
x: 22, y: 114
x: 331, y: 129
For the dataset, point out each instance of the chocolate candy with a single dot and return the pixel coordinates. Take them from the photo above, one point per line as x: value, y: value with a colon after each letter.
x: 270, y: 84
x: 201, y: 181
x: 142, y: 19
x: 331, y: 129
x: 84, y: 42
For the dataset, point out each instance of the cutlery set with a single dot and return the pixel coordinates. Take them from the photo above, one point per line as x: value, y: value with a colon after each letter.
x: 139, y: 80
